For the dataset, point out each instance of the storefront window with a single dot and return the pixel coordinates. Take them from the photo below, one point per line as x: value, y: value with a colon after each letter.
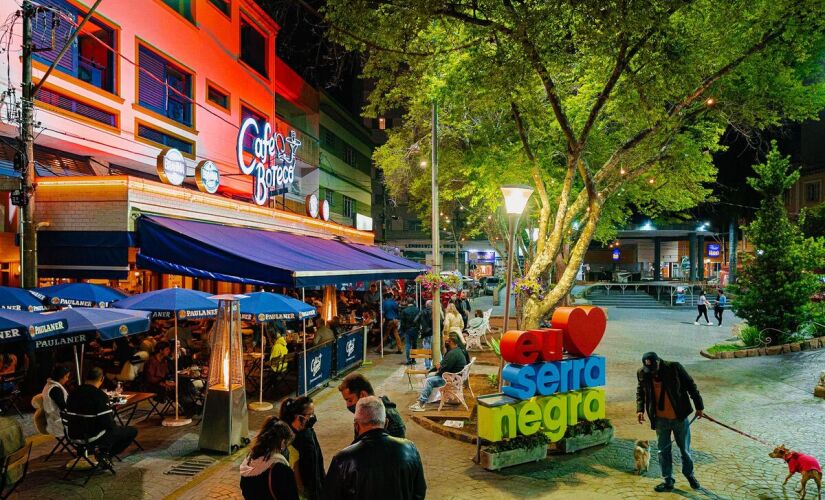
x: 164, y: 87
x: 91, y: 58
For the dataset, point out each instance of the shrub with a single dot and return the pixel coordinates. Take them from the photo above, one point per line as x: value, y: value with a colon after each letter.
x: 751, y: 337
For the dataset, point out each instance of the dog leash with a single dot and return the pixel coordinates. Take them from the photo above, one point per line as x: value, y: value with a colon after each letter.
x: 742, y: 433
x: 670, y: 444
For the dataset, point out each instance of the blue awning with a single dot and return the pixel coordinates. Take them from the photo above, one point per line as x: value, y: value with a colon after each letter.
x: 84, y: 254
x: 259, y: 257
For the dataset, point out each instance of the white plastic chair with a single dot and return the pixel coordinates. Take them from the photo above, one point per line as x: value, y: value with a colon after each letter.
x: 475, y: 335
x: 453, y: 390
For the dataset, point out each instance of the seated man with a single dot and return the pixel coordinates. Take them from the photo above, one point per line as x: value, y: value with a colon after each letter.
x: 453, y: 362
x: 98, y: 418
x: 156, y: 372
x: 324, y: 333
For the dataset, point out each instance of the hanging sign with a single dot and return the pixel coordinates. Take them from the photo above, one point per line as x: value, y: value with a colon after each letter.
x: 171, y: 166
x: 714, y: 250
x: 616, y: 254
x: 208, y: 177
x: 315, y: 208
x: 273, y: 163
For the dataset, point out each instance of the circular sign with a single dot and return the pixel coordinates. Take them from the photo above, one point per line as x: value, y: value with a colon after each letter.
x: 171, y: 166
x: 124, y: 330
x: 311, y: 204
x: 207, y: 177
x: 325, y: 210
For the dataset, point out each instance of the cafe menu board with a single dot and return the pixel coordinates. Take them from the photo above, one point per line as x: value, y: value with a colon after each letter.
x: 349, y: 350
x: 318, y: 367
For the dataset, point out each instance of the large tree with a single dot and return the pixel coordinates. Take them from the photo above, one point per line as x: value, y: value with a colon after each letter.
x: 605, y: 107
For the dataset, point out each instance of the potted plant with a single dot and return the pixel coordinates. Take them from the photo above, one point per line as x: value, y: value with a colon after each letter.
x: 519, y: 450
x: 584, y: 434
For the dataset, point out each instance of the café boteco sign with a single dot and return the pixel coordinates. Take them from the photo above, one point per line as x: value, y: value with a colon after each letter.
x: 548, y: 390
x: 271, y: 164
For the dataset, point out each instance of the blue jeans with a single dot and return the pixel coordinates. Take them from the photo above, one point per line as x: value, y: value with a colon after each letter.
x: 410, y: 338
x: 681, y: 436
x: 430, y: 384
x: 427, y: 343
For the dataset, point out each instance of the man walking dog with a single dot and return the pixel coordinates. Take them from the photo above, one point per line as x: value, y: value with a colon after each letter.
x: 664, y: 392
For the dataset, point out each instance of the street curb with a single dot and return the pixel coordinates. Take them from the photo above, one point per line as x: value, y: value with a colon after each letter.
x: 805, y: 345
x: 449, y: 432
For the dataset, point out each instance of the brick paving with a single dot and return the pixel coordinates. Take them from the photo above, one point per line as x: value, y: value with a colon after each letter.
x: 769, y: 397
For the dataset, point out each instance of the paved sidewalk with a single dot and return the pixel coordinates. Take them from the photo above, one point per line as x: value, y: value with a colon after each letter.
x: 769, y: 397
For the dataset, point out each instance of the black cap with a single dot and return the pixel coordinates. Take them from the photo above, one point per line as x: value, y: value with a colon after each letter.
x: 653, y: 358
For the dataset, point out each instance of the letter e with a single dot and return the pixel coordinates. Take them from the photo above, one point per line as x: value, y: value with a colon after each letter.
x: 521, y: 348
x: 547, y: 379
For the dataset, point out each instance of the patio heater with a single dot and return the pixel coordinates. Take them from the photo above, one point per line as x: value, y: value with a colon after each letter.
x: 225, y: 420
x: 330, y: 307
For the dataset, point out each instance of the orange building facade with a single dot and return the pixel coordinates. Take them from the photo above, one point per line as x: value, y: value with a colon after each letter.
x: 143, y: 78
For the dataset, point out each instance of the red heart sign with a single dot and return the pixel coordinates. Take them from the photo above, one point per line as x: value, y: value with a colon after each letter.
x: 583, y: 328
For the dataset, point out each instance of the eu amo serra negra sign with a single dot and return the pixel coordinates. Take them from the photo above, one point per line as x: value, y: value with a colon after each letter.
x: 273, y: 162
x: 547, y: 390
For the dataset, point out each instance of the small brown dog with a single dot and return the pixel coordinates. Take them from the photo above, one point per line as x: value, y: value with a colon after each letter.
x: 641, y: 455
x: 804, y: 464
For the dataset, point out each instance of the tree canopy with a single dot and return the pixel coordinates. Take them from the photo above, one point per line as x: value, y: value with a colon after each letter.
x: 605, y: 107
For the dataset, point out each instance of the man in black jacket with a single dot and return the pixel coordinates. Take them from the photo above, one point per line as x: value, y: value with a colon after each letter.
x: 409, y: 328
x: 92, y: 416
x: 354, y: 387
x: 377, y: 465
x: 664, y: 392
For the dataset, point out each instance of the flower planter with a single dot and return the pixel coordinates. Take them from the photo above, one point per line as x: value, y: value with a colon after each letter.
x: 577, y: 443
x: 501, y: 459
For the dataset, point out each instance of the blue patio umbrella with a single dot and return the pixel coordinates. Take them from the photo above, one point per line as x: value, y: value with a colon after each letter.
x: 78, y: 294
x: 18, y: 299
x: 261, y: 307
x: 173, y: 303
x: 86, y: 321
x: 22, y: 326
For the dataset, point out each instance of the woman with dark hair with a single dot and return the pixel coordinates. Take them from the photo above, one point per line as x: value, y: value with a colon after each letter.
x: 305, y: 455
x: 265, y: 473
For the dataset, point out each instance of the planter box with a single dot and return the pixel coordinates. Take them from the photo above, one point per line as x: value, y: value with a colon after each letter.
x: 502, y: 459
x: 577, y: 443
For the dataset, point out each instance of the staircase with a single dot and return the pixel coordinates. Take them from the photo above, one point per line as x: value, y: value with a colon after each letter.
x: 628, y: 300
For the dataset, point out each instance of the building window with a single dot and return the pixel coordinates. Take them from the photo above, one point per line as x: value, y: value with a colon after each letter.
x: 249, y: 137
x: 813, y: 192
x: 165, y: 140
x: 349, y: 155
x: 89, y: 58
x: 327, y: 137
x: 223, y: 6
x: 164, y: 87
x: 253, y: 47
x: 328, y: 195
x: 413, y: 225
x: 349, y: 207
x: 217, y: 97
x: 66, y: 103
x: 182, y: 7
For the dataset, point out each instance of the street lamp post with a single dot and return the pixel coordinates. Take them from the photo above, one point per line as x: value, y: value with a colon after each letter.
x: 515, y: 201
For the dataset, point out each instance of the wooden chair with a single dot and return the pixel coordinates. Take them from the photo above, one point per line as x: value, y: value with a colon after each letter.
x: 14, y: 469
x: 453, y: 390
x: 411, y: 370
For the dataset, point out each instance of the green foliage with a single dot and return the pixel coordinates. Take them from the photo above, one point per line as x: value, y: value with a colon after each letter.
x: 723, y: 348
x: 519, y: 442
x: 750, y: 337
x: 775, y: 285
x: 492, y: 379
x: 495, y: 345
x: 812, y: 221
x: 586, y: 427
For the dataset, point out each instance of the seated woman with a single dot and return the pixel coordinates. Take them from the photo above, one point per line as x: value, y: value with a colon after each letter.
x: 265, y: 473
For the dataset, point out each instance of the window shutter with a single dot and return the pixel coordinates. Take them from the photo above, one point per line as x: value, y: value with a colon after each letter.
x: 152, y: 91
x: 42, y: 34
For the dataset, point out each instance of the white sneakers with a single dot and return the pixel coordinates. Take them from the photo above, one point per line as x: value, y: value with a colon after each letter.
x: 418, y: 407
x: 695, y: 322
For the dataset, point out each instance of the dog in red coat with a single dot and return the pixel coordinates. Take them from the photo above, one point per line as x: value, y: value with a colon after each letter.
x: 804, y: 464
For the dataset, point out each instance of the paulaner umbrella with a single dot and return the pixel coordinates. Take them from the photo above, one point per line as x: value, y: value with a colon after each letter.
x: 78, y: 294
x: 18, y: 299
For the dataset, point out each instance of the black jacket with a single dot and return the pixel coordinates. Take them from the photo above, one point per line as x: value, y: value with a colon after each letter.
x: 90, y: 401
x: 376, y: 466
x: 678, y: 385
x: 409, y: 320
x: 310, y: 463
x: 425, y: 322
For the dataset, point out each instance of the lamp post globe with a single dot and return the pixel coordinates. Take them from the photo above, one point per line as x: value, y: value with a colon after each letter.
x: 516, y: 197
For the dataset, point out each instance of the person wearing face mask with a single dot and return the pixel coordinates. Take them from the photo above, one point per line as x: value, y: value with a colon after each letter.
x: 304, y: 453
x: 355, y: 387
x: 265, y: 473
x: 376, y: 465
x: 664, y: 392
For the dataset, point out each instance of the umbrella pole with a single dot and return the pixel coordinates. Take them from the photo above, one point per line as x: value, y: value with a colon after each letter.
x: 82, y: 355
x: 381, y: 315
x: 305, y: 344
x: 77, y: 365
x: 177, y: 421
x: 260, y: 405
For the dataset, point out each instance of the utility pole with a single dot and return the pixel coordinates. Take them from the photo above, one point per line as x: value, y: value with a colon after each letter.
x: 28, y: 234
x: 436, y: 237
x: 27, y: 227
